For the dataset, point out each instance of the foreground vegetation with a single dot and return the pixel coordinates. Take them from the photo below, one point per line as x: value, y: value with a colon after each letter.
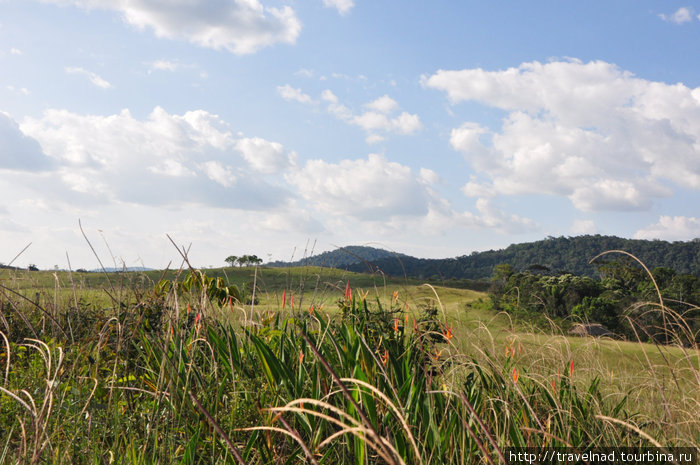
x: 313, y: 366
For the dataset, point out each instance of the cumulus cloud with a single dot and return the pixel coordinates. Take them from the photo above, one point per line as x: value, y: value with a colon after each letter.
x: 18, y: 151
x: 489, y: 216
x: 591, y: 132
x: 672, y: 228
x: 343, y: 6
x: 383, y: 104
x: 372, y: 189
x: 378, y: 120
x: 380, y: 117
x: 166, y: 159
x: 680, y: 16
x: 580, y: 227
x: 289, y: 93
x: 94, y: 78
x: 263, y: 156
x: 239, y: 26
x: 15, y: 51
x: 163, y: 65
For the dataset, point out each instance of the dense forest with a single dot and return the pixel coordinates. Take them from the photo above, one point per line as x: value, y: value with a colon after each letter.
x: 625, y: 300
x: 553, y: 255
x: 344, y: 257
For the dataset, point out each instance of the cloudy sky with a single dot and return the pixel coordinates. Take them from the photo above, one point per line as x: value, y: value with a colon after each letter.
x: 261, y: 126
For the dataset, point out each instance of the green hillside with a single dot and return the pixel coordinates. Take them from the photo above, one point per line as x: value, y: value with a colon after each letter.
x: 560, y: 254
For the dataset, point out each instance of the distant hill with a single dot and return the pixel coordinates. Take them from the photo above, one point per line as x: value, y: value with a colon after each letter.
x: 343, y: 257
x: 554, y: 254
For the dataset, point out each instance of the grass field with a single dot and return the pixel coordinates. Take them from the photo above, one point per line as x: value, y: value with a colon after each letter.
x: 325, y: 366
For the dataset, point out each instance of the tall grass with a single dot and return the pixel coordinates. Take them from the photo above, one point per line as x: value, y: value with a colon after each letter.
x: 173, y: 376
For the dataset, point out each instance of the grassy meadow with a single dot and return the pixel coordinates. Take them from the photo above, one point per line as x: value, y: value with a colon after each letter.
x: 312, y: 365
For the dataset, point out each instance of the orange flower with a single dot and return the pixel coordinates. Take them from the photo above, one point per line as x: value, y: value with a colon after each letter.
x: 230, y: 303
x: 385, y: 357
x: 348, y: 291
x: 515, y: 375
x: 301, y: 357
x: 448, y: 332
x: 189, y: 309
x: 554, y: 386
x: 571, y: 368
x: 311, y: 310
x: 507, y: 351
x: 395, y: 297
x: 197, y: 321
x: 405, y: 320
x: 292, y: 301
x: 396, y: 325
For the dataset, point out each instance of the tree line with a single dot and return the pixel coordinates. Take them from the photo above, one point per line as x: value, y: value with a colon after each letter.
x: 624, y: 299
x: 243, y: 260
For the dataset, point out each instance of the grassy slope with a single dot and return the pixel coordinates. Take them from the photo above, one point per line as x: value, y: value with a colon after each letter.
x: 654, y: 377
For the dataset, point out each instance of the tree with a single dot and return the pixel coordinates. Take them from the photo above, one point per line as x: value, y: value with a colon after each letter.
x: 231, y: 260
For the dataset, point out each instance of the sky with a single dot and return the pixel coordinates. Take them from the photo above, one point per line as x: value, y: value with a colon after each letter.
x: 282, y: 127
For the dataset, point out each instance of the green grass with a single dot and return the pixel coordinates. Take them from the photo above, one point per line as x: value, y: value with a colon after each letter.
x: 103, y: 369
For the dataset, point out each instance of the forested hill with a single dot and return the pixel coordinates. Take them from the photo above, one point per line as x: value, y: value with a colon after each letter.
x: 344, y: 257
x: 560, y: 254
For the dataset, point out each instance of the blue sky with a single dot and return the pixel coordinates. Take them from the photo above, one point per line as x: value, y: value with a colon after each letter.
x: 428, y: 128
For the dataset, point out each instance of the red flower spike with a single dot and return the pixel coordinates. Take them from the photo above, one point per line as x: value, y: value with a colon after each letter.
x: 292, y: 301
x: 284, y: 298
x: 571, y: 368
x: 396, y: 325
x: 189, y: 309
x: 447, y: 332
x: 385, y: 357
x: 197, y: 322
x: 348, y: 292
x: 515, y: 374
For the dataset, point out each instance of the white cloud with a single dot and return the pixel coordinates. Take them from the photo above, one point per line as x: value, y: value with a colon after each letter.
x: 491, y: 217
x: 94, y: 78
x: 239, y: 26
x: 681, y: 15
x: 303, y: 72
x: 672, y: 228
x: 590, y: 132
x: 20, y: 90
x: 580, y: 227
x: 379, y: 120
x: 19, y: 151
x: 383, y: 104
x: 163, y: 65
x: 343, y: 6
x: 329, y: 96
x: 263, y: 156
x: 15, y: 51
x: 289, y: 93
x: 371, y: 189
x: 166, y: 159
